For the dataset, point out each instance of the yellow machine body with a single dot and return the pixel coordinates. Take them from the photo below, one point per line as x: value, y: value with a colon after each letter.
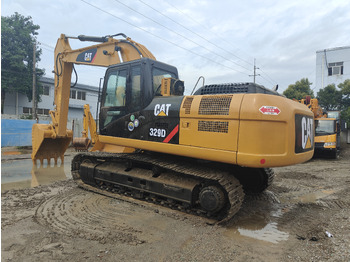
x: 241, y: 134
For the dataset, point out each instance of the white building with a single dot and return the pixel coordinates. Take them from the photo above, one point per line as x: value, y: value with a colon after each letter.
x: 332, y: 66
x: 18, y: 104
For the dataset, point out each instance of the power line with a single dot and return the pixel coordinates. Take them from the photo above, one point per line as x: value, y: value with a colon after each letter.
x: 47, y: 49
x: 179, y: 34
x: 162, y: 38
x: 272, y: 81
x: 210, y: 41
x: 41, y: 43
x: 194, y: 33
x: 249, y: 63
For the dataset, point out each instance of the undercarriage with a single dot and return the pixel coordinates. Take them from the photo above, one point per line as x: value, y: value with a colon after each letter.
x: 202, y: 188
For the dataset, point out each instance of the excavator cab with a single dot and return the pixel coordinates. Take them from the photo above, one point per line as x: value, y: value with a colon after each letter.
x: 130, y: 87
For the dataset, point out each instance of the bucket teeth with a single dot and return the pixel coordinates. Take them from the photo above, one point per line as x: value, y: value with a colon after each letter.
x: 55, y: 159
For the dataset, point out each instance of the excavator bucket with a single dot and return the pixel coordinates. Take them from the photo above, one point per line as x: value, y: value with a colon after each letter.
x: 46, y: 145
x: 81, y: 143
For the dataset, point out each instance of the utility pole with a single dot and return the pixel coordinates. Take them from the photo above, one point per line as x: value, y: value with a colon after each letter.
x: 254, y: 75
x: 34, y: 85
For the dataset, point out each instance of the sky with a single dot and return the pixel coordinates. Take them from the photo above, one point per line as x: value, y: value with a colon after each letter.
x: 216, y: 39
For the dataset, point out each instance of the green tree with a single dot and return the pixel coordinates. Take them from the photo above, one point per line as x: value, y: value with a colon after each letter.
x: 345, y: 91
x: 345, y: 115
x: 329, y: 97
x: 345, y: 101
x: 18, y: 36
x: 299, y: 90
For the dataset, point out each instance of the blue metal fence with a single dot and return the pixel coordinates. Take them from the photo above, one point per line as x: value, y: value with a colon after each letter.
x: 17, y: 132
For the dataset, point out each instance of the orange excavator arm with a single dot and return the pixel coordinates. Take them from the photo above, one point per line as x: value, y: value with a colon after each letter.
x: 312, y: 104
x: 51, y: 141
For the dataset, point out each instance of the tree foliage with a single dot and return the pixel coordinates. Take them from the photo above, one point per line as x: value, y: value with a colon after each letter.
x: 345, y: 91
x: 329, y: 97
x: 18, y: 36
x: 299, y: 90
x: 345, y: 101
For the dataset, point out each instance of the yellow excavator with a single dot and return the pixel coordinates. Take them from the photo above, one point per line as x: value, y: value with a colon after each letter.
x: 327, y: 129
x: 198, y: 153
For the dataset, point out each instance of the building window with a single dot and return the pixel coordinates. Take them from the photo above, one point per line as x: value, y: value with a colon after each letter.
x: 42, y: 111
x: 73, y: 94
x: 80, y: 95
x: 27, y: 110
x: 335, y: 68
x: 39, y: 111
x: 46, y: 90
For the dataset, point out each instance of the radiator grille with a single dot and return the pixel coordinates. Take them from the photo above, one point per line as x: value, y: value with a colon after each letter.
x: 218, y: 105
x: 187, y: 105
x: 213, y: 126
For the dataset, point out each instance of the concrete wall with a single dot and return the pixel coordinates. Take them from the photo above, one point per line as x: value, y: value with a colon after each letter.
x: 18, y: 132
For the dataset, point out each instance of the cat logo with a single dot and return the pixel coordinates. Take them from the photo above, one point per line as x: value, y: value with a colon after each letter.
x: 161, y: 109
x: 88, y: 57
x: 306, y: 133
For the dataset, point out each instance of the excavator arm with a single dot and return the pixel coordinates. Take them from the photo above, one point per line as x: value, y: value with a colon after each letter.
x: 83, y: 143
x: 51, y: 141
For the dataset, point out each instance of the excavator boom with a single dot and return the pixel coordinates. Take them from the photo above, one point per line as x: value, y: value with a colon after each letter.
x: 51, y: 141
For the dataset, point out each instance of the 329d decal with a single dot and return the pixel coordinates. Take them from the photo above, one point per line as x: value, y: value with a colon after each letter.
x: 157, y: 132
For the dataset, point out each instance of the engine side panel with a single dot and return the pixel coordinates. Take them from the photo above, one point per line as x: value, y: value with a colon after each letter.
x: 210, y: 121
x: 274, y: 131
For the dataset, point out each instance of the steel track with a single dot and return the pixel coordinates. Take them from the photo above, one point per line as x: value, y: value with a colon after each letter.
x: 183, y: 167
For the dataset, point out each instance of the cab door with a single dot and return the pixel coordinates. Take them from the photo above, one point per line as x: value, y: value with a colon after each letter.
x: 121, y: 95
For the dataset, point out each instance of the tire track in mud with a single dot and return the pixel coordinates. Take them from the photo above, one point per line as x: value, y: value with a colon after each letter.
x: 88, y: 216
x: 333, y: 204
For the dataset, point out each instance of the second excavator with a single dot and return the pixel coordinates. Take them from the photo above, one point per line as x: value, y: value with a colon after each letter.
x: 199, y: 153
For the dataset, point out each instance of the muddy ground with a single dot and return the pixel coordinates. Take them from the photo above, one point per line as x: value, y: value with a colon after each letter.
x: 288, y: 222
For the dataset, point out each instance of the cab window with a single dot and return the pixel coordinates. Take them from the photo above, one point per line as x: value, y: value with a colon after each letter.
x: 136, y: 88
x: 158, y: 75
x: 115, y: 91
x: 115, y: 96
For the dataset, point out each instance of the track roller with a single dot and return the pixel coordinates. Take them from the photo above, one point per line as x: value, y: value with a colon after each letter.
x: 212, y: 198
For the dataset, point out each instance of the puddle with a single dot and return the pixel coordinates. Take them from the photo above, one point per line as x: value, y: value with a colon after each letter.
x: 313, y: 197
x: 269, y: 233
x: 259, y: 227
x: 19, y: 174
